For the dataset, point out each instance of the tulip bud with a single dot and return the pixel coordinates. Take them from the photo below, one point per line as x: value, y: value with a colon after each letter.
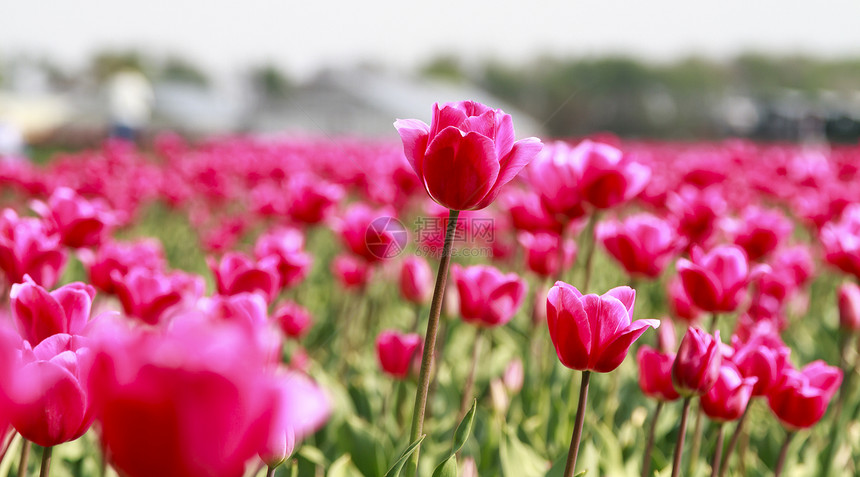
x: 728, y: 399
x: 655, y: 374
x: 397, y: 351
x: 416, y: 280
x: 513, y: 377
x: 849, y: 307
x: 697, y: 365
x: 294, y: 320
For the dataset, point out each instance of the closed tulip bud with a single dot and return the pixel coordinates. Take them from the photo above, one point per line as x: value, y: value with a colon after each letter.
x: 397, y: 351
x: 592, y: 332
x: 849, y: 307
x: 655, y: 374
x: 728, y: 399
x: 487, y: 296
x: 513, y: 377
x: 416, y: 280
x: 697, y: 364
x: 466, y: 154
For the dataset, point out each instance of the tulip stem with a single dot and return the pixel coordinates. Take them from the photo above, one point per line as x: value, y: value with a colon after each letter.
x: 679, y: 445
x: 46, y: 461
x: 430, y: 343
x: 646, y: 461
x: 783, y: 453
x: 577, y: 426
x: 714, y: 318
x: 25, y: 457
x: 270, y: 471
x: 733, y: 442
x: 847, y: 384
x: 470, y: 380
x: 697, y: 442
x: 718, y: 450
x: 589, y: 254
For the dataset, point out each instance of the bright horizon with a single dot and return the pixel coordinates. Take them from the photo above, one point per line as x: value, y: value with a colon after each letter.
x: 303, y: 38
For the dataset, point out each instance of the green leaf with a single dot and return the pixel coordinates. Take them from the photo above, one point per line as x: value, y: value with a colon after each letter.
x: 312, y: 455
x: 365, y: 447
x: 448, y: 468
x: 520, y: 460
x: 395, y: 469
x: 464, y: 429
x: 581, y: 473
x: 342, y: 467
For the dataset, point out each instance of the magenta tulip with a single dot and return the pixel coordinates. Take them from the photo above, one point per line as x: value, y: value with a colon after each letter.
x: 849, y: 307
x: 801, y: 398
x: 416, y: 280
x: 350, y: 271
x: 716, y: 281
x: 841, y: 241
x: 80, y: 222
x: 236, y: 273
x: 148, y: 295
x: 286, y: 246
x: 122, y: 256
x: 294, y: 320
x: 542, y: 254
x: 592, y: 332
x: 397, y: 352
x: 760, y: 231
x: 28, y: 247
x: 39, y: 314
x: 697, y: 364
x: 466, y: 154
x: 643, y: 244
x: 488, y: 297
x: 728, y: 398
x: 762, y: 355
x: 655, y: 373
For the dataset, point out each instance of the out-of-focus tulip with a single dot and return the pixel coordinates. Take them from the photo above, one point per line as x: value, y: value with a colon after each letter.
x: 760, y: 231
x: 728, y: 399
x: 643, y: 244
x: 311, y: 198
x: 27, y: 247
x: 350, y: 271
x: 528, y: 213
x: 121, y: 256
x: 286, y: 245
x: 39, y: 314
x: 369, y: 233
x: 293, y: 319
x: 801, y: 397
x: 763, y: 356
x: 849, y: 306
x: 841, y: 241
x: 680, y: 304
x: 147, y: 295
x: 237, y: 273
x: 697, y: 364
x: 592, y: 332
x: 696, y: 213
x: 416, y: 280
x: 301, y: 408
x: 667, y: 341
x: 715, y: 281
x: 466, y: 154
x: 49, y: 399
x: 488, y: 297
x: 556, y: 174
x: 608, y: 179
x: 513, y: 377
x: 655, y: 373
x: 397, y: 352
x: 248, y: 308
x: 80, y: 222
x: 542, y: 254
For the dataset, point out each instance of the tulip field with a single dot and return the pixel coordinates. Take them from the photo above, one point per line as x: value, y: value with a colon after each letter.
x: 458, y: 302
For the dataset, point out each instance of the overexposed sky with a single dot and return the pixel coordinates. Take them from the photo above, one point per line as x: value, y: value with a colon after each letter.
x: 227, y: 35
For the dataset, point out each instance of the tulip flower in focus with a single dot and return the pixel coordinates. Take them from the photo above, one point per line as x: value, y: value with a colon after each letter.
x: 488, y: 297
x: 148, y: 295
x: 121, y: 256
x: 697, y: 364
x: 397, y: 352
x: 760, y: 231
x: 39, y: 314
x: 591, y: 332
x: 466, y: 154
x: 801, y: 397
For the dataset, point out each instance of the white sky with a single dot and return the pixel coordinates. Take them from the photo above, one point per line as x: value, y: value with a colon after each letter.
x: 224, y: 35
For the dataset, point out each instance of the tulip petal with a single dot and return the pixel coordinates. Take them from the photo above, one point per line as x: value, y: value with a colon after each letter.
x: 460, y: 170
x: 615, y: 352
x: 521, y: 154
x: 414, y: 134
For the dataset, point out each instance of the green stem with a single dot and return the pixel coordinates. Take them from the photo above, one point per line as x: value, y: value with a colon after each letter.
x: 836, y: 428
x: 470, y: 380
x: 783, y: 453
x: 25, y: 457
x: 714, y: 318
x: 646, y: 461
x: 718, y: 450
x: 430, y: 343
x: 697, y: 442
x: 570, y: 466
x: 270, y: 471
x: 46, y: 461
x: 679, y: 445
x: 733, y: 442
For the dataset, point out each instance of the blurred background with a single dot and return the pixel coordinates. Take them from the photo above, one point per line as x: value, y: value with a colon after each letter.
x: 72, y: 73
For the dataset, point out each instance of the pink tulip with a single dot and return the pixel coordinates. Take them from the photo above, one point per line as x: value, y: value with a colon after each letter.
x: 397, y: 352
x: 466, y: 154
x: 696, y: 213
x: 763, y: 356
x: 488, y: 297
x: 667, y: 341
x: 528, y: 213
x: 301, y: 408
x: 643, y: 244
x: 122, y: 256
x: 513, y: 376
x: 542, y: 254
x: 286, y: 245
x: 311, y: 199
x: 293, y: 319
x: 841, y: 241
x: 50, y: 403
x: 592, y: 332
x: 849, y: 306
x: 39, y: 314
x: 607, y: 179
x: 556, y: 174
x: 728, y: 399
x: 716, y: 281
x: 416, y: 280
x: 366, y: 232
x: 697, y: 364
x: 148, y: 295
x: 680, y: 304
x: 350, y: 271
x: 801, y: 397
x: 237, y: 273
x: 80, y: 222
x: 247, y: 308
x: 760, y: 231
x: 655, y: 374
x: 28, y: 247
